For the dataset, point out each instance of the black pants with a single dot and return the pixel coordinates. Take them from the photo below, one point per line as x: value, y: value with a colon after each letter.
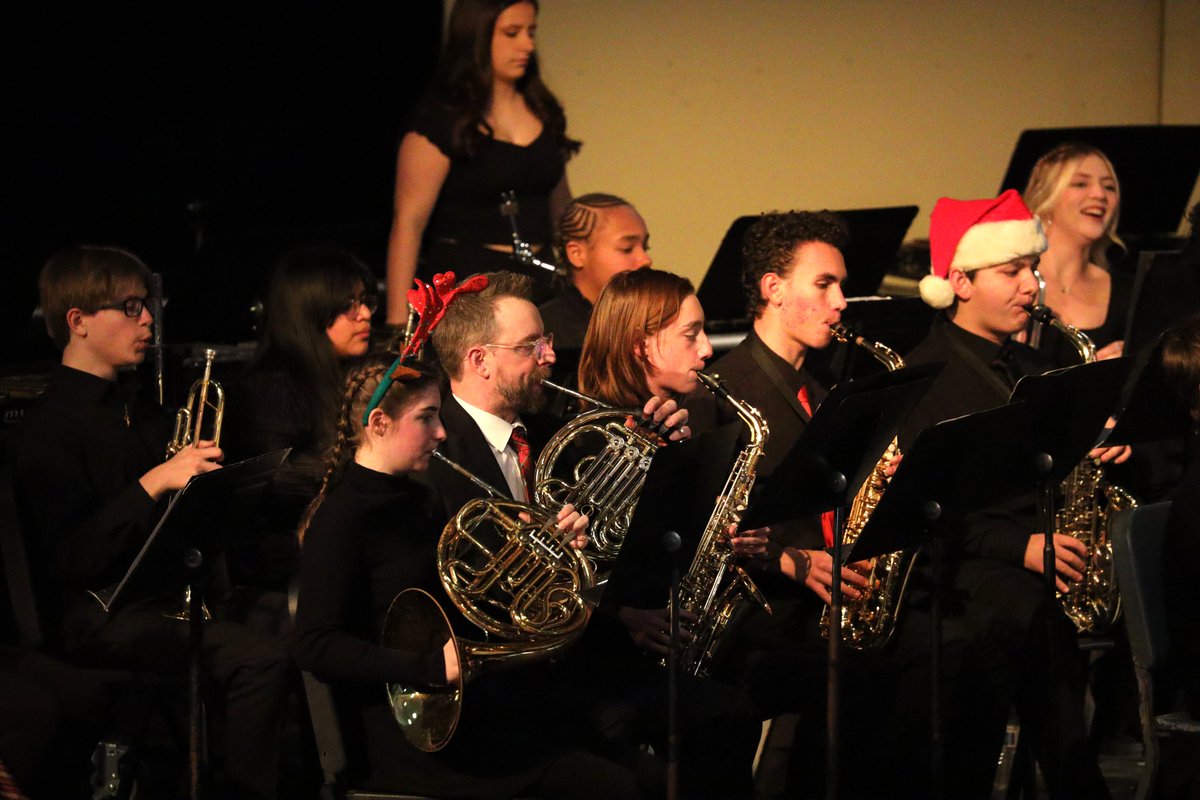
x: 1008, y: 606
x: 252, y: 672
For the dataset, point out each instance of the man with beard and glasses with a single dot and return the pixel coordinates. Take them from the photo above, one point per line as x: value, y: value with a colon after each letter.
x: 495, y: 351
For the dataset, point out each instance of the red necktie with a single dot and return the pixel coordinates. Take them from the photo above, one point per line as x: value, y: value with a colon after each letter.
x: 826, y: 517
x: 520, y: 443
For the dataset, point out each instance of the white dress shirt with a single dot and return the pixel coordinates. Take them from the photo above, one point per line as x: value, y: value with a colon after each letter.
x: 498, y: 431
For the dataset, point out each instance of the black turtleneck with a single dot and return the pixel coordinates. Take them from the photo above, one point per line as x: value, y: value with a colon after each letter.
x: 371, y: 538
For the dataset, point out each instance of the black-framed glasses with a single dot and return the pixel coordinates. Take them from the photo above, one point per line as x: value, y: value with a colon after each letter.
x: 537, y: 347
x: 132, y: 306
x: 350, y: 309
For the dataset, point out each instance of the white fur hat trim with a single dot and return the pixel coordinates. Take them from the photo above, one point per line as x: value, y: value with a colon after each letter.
x: 987, y: 244
x: 936, y: 291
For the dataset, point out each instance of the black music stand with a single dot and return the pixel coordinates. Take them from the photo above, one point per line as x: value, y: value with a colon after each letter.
x: 195, y: 523
x: 875, y: 238
x: 1071, y: 407
x: 839, y: 449
x: 1157, y: 164
x: 1155, y: 410
x: 953, y: 467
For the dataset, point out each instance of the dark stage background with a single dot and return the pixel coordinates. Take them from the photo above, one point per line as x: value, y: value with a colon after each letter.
x: 207, y: 138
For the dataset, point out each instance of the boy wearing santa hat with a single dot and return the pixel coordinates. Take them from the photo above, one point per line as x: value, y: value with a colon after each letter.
x: 983, y: 255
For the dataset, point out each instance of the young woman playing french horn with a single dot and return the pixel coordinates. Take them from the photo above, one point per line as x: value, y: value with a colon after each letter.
x: 646, y: 340
x: 371, y: 533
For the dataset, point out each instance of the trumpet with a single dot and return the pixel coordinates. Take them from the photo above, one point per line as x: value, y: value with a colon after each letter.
x: 189, y: 429
x: 190, y: 419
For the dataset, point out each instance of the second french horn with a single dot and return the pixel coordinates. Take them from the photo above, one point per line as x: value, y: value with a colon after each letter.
x: 604, y: 484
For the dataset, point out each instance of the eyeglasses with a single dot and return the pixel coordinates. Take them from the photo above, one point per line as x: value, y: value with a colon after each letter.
x: 132, y: 306
x: 350, y: 309
x: 537, y: 347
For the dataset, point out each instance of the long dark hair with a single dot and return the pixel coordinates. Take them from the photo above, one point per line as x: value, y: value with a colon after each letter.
x: 308, y: 289
x: 361, y: 381
x: 463, y: 82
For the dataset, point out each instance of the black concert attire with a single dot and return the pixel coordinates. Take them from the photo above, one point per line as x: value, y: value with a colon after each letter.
x: 1002, y: 605
x: 467, y: 215
x: 1059, y: 348
x: 269, y: 409
x: 53, y: 717
x: 566, y: 315
x: 753, y: 373
x: 374, y: 536
x: 77, y: 460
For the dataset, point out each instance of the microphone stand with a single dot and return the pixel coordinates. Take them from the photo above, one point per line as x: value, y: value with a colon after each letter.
x: 194, y: 562
x: 931, y: 511
x: 156, y: 310
x: 837, y: 486
x: 671, y: 543
x: 522, y: 252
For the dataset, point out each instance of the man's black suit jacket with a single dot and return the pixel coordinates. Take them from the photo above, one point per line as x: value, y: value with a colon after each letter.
x: 466, y: 446
x: 755, y: 375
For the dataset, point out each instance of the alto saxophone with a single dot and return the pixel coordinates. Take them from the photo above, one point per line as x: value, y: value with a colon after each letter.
x: 1089, y: 503
x: 869, y: 620
x: 715, y: 587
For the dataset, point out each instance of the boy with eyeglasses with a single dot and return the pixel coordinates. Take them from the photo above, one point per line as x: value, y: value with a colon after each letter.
x: 91, y: 484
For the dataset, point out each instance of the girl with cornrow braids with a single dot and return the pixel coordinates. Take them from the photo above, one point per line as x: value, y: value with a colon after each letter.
x: 369, y: 534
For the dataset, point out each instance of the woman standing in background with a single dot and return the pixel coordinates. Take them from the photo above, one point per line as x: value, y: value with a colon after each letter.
x: 489, y: 125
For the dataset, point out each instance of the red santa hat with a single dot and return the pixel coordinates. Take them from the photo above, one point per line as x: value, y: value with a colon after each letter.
x: 972, y: 234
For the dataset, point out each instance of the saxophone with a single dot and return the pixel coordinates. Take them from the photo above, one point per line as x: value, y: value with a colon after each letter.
x: 869, y: 620
x: 715, y: 587
x: 1089, y: 503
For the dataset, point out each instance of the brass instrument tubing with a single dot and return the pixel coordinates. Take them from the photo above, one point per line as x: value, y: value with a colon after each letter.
x: 578, y: 395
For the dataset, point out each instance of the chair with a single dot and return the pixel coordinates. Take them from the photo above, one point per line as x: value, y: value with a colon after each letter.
x: 1137, y: 536
x: 327, y: 732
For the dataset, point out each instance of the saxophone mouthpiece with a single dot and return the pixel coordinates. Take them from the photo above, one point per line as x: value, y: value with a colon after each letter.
x: 711, y: 382
x: 1040, y: 313
x: 844, y: 334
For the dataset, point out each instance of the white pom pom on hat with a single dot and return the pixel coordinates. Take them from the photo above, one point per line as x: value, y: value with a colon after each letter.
x: 936, y: 291
x: 973, y: 234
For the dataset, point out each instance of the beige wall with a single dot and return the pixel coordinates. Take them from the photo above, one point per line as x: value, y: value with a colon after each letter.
x: 700, y: 111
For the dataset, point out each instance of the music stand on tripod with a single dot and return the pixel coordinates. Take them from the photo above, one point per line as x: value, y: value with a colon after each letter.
x: 839, y: 449
x: 192, y: 529
x: 978, y: 461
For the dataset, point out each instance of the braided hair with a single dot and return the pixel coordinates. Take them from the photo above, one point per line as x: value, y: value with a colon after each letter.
x: 361, y: 381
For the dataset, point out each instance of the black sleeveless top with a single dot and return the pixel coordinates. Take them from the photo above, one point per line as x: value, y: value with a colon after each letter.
x: 468, y: 207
